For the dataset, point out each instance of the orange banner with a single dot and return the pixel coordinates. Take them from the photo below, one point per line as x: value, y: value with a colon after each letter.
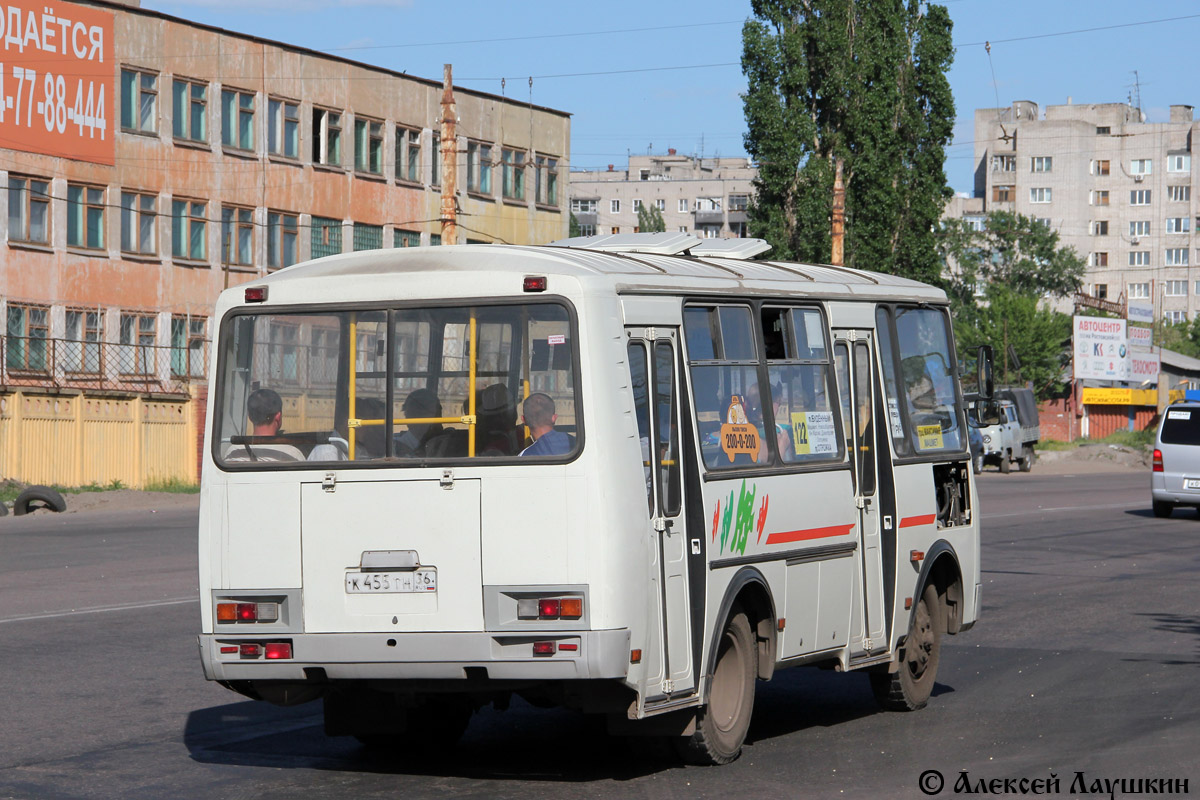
x: 56, y: 80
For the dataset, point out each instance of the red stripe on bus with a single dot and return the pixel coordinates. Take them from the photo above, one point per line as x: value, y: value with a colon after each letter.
x: 924, y: 519
x: 811, y: 533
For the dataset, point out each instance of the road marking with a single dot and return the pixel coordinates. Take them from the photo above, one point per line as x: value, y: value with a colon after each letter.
x: 100, y: 609
x: 987, y: 516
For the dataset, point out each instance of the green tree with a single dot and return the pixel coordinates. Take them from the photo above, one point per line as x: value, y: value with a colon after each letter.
x: 1013, y: 250
x: 650, y: 219
x: 860, y: 80
x: 1040, y: 337
x: 1182, y: 337
x: 573, y: 228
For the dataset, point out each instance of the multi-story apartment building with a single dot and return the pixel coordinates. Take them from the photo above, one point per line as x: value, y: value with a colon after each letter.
x: 1116, y: 188
x: 707, y: 197
x: 151, y: 162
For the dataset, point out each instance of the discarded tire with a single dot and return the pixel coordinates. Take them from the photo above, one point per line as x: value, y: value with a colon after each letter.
x: 38, y: 497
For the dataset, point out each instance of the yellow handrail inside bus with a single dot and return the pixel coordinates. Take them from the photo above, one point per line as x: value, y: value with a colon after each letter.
x: 353, y: 411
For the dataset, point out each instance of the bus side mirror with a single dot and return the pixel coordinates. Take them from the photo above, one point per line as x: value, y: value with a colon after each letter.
x: 983, y: 413
x: 987, y: 385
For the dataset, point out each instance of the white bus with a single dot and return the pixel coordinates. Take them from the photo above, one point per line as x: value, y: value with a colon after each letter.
x: 631, y: 475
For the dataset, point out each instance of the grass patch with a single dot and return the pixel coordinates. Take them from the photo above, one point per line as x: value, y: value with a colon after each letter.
x: 173, y: 485
x: 1134, y: 439
x: 1051, y: 445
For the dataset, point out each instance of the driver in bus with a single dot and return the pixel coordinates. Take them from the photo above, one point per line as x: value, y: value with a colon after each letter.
x: 540, y: 416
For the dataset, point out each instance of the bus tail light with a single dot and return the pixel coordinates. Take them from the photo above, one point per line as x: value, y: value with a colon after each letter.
x: 1158, y: 467
x: 571, y: 607
x: 277, y: 650
x: 549, y: 607
x: 256, y: 294
x: 247, y: 612
x: 544, y: 648
x: 251, y: 650
x: 534, y: 283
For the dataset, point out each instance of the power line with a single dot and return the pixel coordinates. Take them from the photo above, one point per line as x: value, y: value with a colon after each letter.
x: 1079, y: 30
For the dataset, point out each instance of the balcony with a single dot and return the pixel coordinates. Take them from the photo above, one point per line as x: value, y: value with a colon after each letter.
x: 710, y: 217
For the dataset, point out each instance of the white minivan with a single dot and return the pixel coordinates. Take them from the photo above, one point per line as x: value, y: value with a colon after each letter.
x: 1175, y: 479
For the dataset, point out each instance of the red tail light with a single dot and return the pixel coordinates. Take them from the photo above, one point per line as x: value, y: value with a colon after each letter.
x: 544, y: 648
x: 251, y: 650
x: 1158, y: 467
x: 247, y: 611
x: 278, y: 650
x: 549, y: 607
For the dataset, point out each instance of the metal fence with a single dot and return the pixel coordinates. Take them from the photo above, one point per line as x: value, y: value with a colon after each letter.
x: 35, y: 361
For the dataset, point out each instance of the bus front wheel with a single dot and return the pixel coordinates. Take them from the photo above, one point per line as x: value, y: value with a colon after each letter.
x: 909, y: 687
x: 721, y: 725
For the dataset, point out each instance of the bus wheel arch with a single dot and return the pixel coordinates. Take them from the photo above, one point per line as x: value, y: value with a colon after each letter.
x: 749, y: 591
x: 942, y: 570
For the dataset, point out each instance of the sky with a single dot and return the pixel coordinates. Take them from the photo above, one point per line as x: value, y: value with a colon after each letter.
x: 642, y: 77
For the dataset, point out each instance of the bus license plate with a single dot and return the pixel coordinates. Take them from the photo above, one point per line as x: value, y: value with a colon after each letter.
x: 1191, y: 483
x: 421, y: 580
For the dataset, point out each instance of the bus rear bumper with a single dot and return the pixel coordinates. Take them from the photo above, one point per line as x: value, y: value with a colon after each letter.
x: 404, y: 656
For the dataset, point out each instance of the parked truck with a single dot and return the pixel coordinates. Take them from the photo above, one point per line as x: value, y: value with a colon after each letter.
x: 1012, y: 440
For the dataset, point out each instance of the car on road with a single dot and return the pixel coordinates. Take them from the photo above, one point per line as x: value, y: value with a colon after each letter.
x: 1175, y: 476
x: 1003, y: 443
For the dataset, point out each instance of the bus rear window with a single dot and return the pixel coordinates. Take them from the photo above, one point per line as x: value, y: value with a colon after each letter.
x: 403, y: 385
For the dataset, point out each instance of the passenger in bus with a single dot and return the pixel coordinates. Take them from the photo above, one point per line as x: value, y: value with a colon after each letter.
x: 264, y: 408
x: 783, y: 427
x: 497, y: 422
x: 420, y: 404
x: 540, y: 416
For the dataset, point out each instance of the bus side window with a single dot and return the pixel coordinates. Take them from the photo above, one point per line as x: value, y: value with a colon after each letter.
x: 841, y: 358
x: 640, y: 381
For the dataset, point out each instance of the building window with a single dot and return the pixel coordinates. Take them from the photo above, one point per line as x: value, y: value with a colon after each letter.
x: 739, y: 202
x: 368, y: 237
x: 615, y: 229
x: 1139, y: 228
x: 587, y: 230
x: 1101, y: 290
x: 326, y: 236
x: 683, y: 228
x: 187, y: 347
x: 327, y: 137
x: 282, y: 230
x: 710, y: 231
x: 1043, y: 221
x: 660, y: 204
x: 1139, y: 258
x: 237, y: 119
x: 368, y: 146
x: 237, y: 236
x: 139, y: 101
x: 1103, y: 167
x: 1040, y: 195
x: 190, y: 110
x: 637, y: 205
x: 1139, y: 197
x: 1141, y: 166
x: 408, y: 155
x: 1100, y: 227
x: 85, y: 217
x: 28, y: 329
x: 513, y: 177
x: 643, y: 174
x: 1139, y: 291
x: 1180, y: 162
x: 1041, y: 164
x: 1099, y: 260
x: 28, y: 210
x: 1175, y: 288
x: 435, y: 240
x: 1004, y: 163
x: 1003, y: 194
x: 1176, y: 317
x: 80, y: 352
x: 545, y: 181
x: 1179, y: 194
x: 189, y: 227
x: 614, y: 206
x: 708, y: 204
x: 1098, y: 197
x: 139, y: 211
x: 1103, y: 130
x: 1178, y: 224
x: 138, y: 333
x: 283, y: 128
x: 684, y: 205
x: 974, y: 222
x: 479, y: 168
x: 406, y: 238
x: 1176, y: 257
x: 583, y: 206
x: 435, y: 159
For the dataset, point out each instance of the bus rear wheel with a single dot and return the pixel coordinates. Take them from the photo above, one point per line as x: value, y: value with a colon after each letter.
x: 909, y: 687
x: 721, y: 725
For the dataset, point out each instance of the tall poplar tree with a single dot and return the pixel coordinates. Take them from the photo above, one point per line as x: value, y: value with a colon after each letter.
x: 863, y: 80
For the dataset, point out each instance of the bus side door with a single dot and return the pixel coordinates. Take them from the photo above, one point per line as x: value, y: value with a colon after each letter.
x: 653, y: 362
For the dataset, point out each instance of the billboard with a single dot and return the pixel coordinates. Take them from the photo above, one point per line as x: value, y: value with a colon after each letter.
x: 56, y: 80
x: 1144, y: 367
x: 1141, y: 337
x: 1139, y: 312
x: 1100, y: 349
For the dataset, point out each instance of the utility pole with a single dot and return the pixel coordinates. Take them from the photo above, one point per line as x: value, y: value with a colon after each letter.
x: 449, y: 156
x: 839, y: 217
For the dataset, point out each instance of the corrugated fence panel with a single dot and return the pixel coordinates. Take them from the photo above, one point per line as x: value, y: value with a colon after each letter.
x: 166, y: 444
x: 46, y: 443
x: 109, y: 450
x: 1106, y: 420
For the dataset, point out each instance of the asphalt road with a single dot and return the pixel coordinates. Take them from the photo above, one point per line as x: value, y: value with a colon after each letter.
x: 1085, y: 660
